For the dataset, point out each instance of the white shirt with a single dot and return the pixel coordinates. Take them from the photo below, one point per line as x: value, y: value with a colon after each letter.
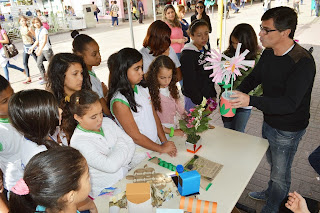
x: 40, y: 36
x: 96, y: 84
x: 10, y: 141
x: 144, y: 119
x: 28, y: 150
x: 148, y: 58
x: 108, y: 154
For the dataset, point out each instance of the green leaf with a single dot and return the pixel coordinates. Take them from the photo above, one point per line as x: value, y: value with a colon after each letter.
x: 202, y: 128
x: 227, y: 86
x: 234, y: 110
x: 223, y: 110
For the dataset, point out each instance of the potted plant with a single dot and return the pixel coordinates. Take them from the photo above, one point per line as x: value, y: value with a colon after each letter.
x: 195, y: 122
x: 225, y: 72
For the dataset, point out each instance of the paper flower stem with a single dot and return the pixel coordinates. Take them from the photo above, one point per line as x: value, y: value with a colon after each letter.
x: 232, y: 82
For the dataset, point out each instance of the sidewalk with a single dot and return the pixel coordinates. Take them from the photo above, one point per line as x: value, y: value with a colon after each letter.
x: 113, y: 39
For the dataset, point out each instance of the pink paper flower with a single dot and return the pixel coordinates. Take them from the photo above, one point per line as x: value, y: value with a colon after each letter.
x: 189, y: 125
x: 191, y: 110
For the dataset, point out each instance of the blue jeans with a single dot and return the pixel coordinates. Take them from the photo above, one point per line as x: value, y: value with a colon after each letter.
x: 26, y: 58
x: 6, y: 70
x: 314, y: 160
x: 114, y: 19
x: 188, y: 104
x: 282, y: 148
x: 239, y: 121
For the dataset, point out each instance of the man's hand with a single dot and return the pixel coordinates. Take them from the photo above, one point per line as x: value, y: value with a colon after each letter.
x: 241, y: 99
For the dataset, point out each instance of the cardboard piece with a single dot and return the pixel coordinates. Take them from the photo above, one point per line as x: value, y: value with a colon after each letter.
x: 139, y: 197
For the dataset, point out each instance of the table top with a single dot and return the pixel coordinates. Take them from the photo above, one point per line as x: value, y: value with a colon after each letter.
x: 239, y: 153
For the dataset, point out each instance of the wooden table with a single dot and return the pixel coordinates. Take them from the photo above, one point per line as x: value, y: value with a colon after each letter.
x: 239, y: 153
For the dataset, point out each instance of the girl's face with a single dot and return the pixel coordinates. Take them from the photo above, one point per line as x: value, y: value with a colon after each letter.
x: 199, y: 8
x: 37, y: 24
x: 164, y: 77
x: 234, y: 42
x: 91, y: 54
x: 85, y: 186
x: 182, y: 13
x: 170, y: 14
x: 73, y: 79
x: 4, y: 101
x: 92, y: 119
x: 23, y: 22
x: 38, y: 14
x: 200, y: 36
x: 135, y: 73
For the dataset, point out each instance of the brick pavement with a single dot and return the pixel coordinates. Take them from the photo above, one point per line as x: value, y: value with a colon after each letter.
x: 308, y: 31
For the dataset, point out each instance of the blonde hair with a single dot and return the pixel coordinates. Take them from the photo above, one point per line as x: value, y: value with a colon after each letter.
x: 175, y: 22
x: 181, y: 7
x: 36, y: 18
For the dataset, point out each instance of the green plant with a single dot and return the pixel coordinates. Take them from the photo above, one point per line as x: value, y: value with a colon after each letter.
x: 197, y: 120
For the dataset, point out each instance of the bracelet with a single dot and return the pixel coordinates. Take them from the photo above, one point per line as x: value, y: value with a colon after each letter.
x: 171, y: 132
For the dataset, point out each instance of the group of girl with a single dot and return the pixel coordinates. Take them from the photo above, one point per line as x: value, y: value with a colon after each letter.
x: 35, y: 42
x: 74, y: 112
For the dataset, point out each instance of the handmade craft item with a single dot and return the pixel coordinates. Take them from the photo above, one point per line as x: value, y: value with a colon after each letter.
x: 190, y: 204
x: 225, y: 71
x: 189, y: 183
x: 139, y: 197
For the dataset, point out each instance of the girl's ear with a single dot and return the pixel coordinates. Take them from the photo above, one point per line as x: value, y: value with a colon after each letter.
x: 77, y: 118
x: 70, y: 196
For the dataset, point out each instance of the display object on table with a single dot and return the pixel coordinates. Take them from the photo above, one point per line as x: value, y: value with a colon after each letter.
x: 139, y: 197
x: 199, y: 206
x: 225, y: 72
x: 189, y: 183
x: 169, y: 211
x: 197, y: 121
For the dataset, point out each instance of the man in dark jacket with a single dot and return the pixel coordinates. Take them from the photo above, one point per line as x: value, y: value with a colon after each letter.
x: 286, y: 72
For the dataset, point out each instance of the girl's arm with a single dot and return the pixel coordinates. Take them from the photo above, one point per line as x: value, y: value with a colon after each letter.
x: 39, y: 50
x: 5, y: 38
x: 105, y: 108
x: 178, y: 40
x: 31, y: 32
x: 176, y: 132
x: 179, y: 74
x: 125, y: 118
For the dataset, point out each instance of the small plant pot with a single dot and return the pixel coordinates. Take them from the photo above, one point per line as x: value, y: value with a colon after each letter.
x: 193, y: 148
x: 225, y: 106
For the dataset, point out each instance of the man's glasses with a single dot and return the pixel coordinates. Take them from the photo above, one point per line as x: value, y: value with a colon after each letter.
x: 266, y: 31
x: 201, y: 7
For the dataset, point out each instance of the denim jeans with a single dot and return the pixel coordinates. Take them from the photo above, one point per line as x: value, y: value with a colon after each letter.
x: 188, y: 104
x: 314, y: 160
x: 114, y: 19
x: 6, y: 69
x: 48, y: 54
x: 282, y: 148
x: 26, y: 58
x: 239, y: 121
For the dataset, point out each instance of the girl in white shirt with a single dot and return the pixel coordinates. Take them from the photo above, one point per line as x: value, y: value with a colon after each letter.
x: 130, y: 104
x: 86, y: 47
x: 34, y: 114
x: 107, y: 148
x: 43, y: 45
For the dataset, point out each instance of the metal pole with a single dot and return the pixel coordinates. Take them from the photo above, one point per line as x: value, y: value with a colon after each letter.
x: 130, y: 22
x: 223, y: 39
x: 154, y: 10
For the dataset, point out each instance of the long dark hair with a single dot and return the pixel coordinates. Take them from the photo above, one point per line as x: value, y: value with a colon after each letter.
x: 34, y: 113
x: 119, y: 81
x: 81, y: 101
x: 204, y: 8
x: 49, y: 175
x: 56, y: 76
x: 153, y: 83
x: 4, y: 83
x: 246, y: 35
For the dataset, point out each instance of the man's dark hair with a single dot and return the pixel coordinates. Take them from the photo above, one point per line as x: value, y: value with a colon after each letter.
x: 283, y: 18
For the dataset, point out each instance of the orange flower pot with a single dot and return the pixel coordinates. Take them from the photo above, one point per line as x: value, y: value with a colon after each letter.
x: 225, y: 106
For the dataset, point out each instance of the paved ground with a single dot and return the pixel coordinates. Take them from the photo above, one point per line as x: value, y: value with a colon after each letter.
x: 112, y: 39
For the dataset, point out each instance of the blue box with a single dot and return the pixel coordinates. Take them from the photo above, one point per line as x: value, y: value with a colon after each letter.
x: 189, y: 183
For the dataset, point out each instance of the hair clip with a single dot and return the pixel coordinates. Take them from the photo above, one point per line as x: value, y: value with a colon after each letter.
x: 77, y: 100
x: 67, y: 99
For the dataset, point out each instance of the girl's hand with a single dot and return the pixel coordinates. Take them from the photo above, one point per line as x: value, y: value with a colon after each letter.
x: 297, y: 203
x: 169, y: 148
x: 178, y: 132
x: 38, y: 52
x: 30, y: 51
x: 185, y: 39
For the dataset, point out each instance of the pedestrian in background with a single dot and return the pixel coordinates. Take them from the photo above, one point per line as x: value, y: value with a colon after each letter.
x: 95, y: 11
x: 141, y: 11
x: 114, y: 13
